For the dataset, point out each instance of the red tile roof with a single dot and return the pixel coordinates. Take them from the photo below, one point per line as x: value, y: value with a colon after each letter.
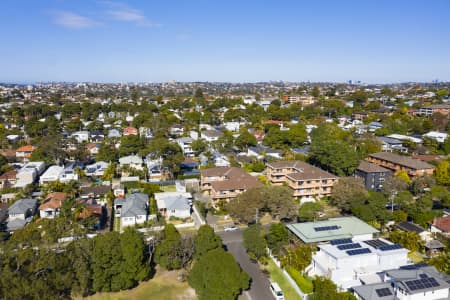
x: 442, y: 223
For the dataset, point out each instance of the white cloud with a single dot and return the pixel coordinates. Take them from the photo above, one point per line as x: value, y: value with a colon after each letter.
x: 73, y: 21
x: 122, y: 12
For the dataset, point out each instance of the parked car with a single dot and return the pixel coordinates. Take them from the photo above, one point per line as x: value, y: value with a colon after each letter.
x: 230, y: 228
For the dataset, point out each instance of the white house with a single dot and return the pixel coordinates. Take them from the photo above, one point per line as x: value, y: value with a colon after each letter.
x: 133, y: 161
x: 96, y: 169
x: 29, y: 173
x: 176, y: 204
x: 232, y: 126
x: 53, y: 173
x: 348, y: 262
x: 81, y: 136
x: 186, y: 145
x: 440, y: 137
x: 133, y: 210
x: 211, y: 135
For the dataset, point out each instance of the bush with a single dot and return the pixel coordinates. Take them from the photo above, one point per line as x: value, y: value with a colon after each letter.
x: 304, y: 284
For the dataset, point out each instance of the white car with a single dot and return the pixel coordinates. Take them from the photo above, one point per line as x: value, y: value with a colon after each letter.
x: 230, y: 228
x: 276, y: 291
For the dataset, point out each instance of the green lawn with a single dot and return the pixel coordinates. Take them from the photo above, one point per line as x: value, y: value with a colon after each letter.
x: 277, y: 275
x: 415, y: 256
x: 164, y: 286
x: 304, y: 283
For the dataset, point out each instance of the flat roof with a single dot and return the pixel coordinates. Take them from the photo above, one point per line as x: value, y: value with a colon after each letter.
x: 331, y: 229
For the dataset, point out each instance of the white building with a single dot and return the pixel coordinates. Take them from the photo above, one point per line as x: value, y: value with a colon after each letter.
x: 81, y: 136
x: 96, y: 169
x: 440, y: 137
x: 53, y: 173
x: 29, y: 173
x: 186, y: 146
x: 133, y: 210
x: 174, y: 204
x: 133, y: 161
x: 348, y: 262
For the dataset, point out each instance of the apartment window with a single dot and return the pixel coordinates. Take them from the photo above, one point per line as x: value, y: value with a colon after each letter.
x: 324, y: 181
x: 300, y: 182
x: 308, y: 182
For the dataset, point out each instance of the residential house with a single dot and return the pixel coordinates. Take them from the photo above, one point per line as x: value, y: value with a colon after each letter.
x: 96, y: 169
x: 332, y: 229
x: 52, y: 174
x: 226, y: 183
x: 97, y: 193
x: 132, y: 210
x: 373, y: 175
x: 407, y: 282
x: 29, y: 173
x: 306, y: 180
x: 81, y: 136
x: 186, y: 146
x: 260, y: 152
x: 220, y: 160
x: 98, y: 212
x: 440, y: 137
x: 97, y: 136
x: 8, y: 179
x: 145, y: 132
x: 132, y: 161
x: 395, y: 162
x: 24, y: 152
x: 176, y: 130
x: 436, y: 108
x: 70, y: 172
x: 390, y: 144
x: 211, y: 135
x: 22, y: 209
x: 174, y: 204
x: 349, y: 262
x: 51, y: 205
x: 411, y: 227
x: 156, y: 170
x: 441, y: 225
x: 303, y: 100
x: 114, y: 133
x: 93, y: 148
x: 190, y: 167
x: 130, y: 131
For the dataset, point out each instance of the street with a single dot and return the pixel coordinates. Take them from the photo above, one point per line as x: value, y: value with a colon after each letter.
x: 259, y: 289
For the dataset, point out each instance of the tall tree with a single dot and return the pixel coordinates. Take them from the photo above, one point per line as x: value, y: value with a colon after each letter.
x: 206, y: 240
x: 254, y: 241
x: 216, y: 275
x: 277, y: 237
x: 167, y: 253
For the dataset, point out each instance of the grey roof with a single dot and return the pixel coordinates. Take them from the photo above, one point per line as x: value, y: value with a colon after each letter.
x: 134, y: 205
x: 368, y: 291
x: 21, y: 206
x: 434, y: 244
x: 173, y: 200
x: 408, y: 226
x: 389, y: 140
x: 16, y: 224
x: 368, y: 167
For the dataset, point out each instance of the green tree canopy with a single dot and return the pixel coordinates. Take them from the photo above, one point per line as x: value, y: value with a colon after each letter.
x: 206, y: 240
x: 254, y: 241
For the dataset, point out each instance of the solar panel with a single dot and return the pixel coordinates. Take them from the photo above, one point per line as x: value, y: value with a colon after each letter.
x: 358, y: 251
x: 423, y: 276
x: 341, y: 241
x: 326, y: 228
x: 423, y: 283
x: 375, y: 243
x: 349, y: 246
x: 383, y: 292
x: 390, y: 247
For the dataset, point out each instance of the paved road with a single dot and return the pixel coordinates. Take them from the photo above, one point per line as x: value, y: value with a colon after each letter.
x: 259, y: 289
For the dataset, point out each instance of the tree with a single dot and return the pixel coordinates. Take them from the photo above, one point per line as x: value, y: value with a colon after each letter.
x: 216, y: 275
x: 254, y: 241
x: 403, y: 175
x: 443, y: 172
x: 298, y: 258
x: 130, y: 144
x: 348, y: 192
x: 167, y: 253
x: 276, y: 200
x: 134, y: 266
x: 410, y: 240
x: 245, y: 139
x: 199, y: 146
x: 441, y: 262
x: 206, y: 240
x: 308, y: 211
x: 277, y: 237
x: 107, y: 153
x: 325, y: 289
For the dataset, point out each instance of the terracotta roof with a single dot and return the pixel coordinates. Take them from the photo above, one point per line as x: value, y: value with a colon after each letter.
x: 9, y: 175
x: 91, y: 211
x: 96, y: 190
x: 427, y: 157
x: 442, y: 223
x: 53, y: 200
x: 368, y: 167
x: 27, y: 148
x: 401, y: 160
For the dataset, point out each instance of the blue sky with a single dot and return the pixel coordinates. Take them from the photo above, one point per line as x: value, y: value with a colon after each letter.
x: 199, y: 40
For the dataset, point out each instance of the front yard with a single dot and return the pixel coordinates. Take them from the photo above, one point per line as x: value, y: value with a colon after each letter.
x: 277, y: 276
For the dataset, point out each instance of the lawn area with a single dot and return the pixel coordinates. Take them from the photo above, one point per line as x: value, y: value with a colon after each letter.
x: 277, y: 275
x: 415, y: 256
x: 168, y: 188
x: 163, y: 286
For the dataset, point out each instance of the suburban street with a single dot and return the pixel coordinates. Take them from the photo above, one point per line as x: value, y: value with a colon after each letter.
x: 259, y: 289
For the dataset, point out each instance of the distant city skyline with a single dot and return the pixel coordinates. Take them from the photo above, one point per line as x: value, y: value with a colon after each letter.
x: 224, y: 41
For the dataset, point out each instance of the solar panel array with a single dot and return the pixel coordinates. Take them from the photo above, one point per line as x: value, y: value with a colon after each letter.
x: 383, y: 292
x: 341, y: 241
x: 358, y: 251
x: 326, y: 228
x: 349, y: 246
x: 390, y: 247
x: 376, y: 243
x: 423, y: 283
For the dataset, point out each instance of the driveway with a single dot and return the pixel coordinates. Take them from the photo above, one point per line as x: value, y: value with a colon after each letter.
x: 259, y: 288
